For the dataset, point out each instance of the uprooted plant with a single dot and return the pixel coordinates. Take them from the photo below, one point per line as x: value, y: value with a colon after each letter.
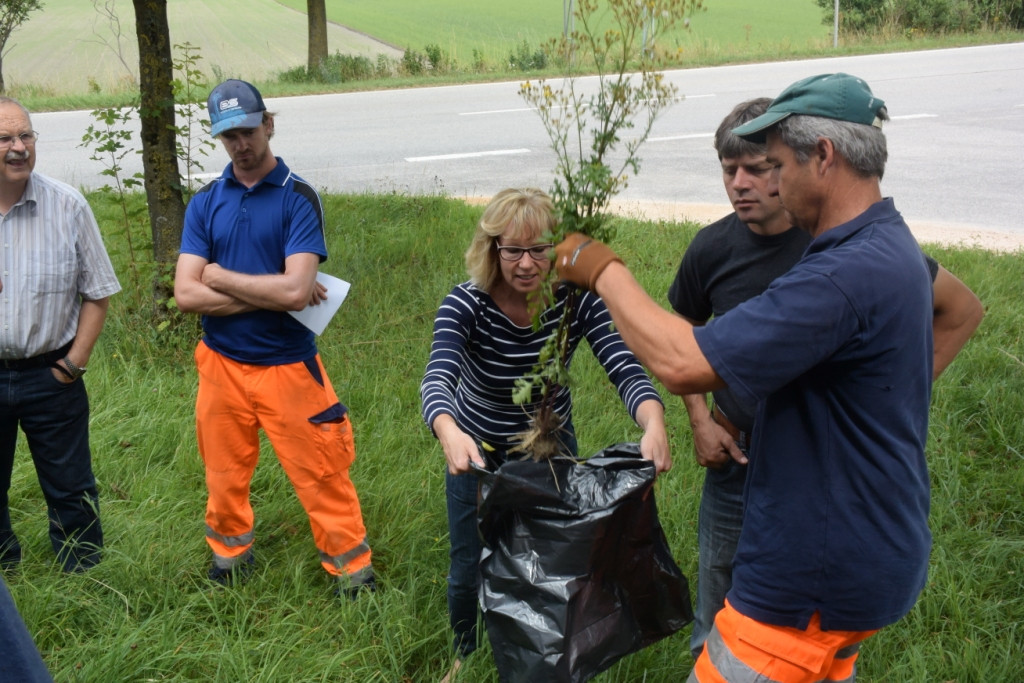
x: 586, y: 126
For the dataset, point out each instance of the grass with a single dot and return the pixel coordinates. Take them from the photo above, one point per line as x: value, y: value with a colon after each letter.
x: 146, y: 613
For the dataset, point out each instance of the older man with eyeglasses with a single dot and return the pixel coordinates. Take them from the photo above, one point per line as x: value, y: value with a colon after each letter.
x: 55, y: 284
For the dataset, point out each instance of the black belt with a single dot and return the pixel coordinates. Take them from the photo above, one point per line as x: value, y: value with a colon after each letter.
x: 43, y: 360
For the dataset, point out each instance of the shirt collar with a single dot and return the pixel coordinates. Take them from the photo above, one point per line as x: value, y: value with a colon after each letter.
x: 28, y: 195
x: 880, y: 210
x: 277, y: 176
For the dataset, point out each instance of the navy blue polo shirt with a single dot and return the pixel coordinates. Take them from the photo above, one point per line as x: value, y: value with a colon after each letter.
x: 837, y: 354
x: 253, y: 230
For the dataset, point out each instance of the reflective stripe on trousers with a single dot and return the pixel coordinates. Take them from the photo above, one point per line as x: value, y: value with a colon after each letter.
x: 742, y: 650
x: 355, y: 564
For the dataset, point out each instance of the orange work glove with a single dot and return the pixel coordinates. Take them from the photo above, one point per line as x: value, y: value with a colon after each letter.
x: 580, y: 259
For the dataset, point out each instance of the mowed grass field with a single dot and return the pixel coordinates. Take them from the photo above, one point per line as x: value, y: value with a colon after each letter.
x: 463, y: 25
x: 68, y: 48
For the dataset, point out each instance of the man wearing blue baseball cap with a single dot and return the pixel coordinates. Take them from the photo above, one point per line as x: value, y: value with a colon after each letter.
x: 837, y: 355
x: 252, y: 242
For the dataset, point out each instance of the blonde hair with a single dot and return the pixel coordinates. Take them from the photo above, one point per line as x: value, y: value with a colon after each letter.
x: 529, y: 212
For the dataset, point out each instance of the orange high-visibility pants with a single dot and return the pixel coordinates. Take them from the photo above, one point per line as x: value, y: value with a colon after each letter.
x: 297, y: 409
x: 742, y: 650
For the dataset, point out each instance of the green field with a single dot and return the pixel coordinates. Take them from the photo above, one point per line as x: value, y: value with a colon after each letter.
x: 461, y: 26
x: 68, y: 48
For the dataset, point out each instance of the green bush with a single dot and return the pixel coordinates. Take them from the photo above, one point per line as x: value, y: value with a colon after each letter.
x: 339, y: 68
x: 413, y: 63
x: 525, y: 58
x: 932, y: 16
x: 479, y: 63
x: 440, y: 61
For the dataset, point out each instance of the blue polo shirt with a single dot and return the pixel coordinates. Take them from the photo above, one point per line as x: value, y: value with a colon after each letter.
x: 837, y: 354
x: 253, y: 230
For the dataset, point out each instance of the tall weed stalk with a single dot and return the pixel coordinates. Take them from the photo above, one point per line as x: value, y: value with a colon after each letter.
x: 587, y: 131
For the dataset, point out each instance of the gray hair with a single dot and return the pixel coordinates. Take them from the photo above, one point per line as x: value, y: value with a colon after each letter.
x: 731, y: 146
x: 10, y: 100
x: 862, y: 146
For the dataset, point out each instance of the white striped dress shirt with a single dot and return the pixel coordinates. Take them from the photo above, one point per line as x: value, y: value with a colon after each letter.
x: 51, y: 257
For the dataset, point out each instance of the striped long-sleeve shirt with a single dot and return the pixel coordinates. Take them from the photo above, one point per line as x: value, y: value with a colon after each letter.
x: 478, y: 353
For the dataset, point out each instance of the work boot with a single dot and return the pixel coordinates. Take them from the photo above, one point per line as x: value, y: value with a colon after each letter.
x: 352, y: 591
x: 235, y: 574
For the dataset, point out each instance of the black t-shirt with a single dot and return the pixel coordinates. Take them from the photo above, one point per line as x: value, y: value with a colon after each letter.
x: 726, y: 264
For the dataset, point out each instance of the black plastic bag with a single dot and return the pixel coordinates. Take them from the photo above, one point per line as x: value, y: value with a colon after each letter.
x: 575, y: 570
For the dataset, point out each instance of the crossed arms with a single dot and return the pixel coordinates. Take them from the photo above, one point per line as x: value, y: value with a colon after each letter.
x: 208, y: 288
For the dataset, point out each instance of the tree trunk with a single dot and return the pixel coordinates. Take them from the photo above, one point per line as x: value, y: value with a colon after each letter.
x: 159, y: 150
x: 317, y: 13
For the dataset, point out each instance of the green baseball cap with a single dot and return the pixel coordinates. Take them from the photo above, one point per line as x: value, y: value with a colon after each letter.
x: 834, y: 96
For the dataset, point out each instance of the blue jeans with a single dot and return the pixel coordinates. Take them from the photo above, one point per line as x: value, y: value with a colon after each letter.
x: 718, y: 531
x: 19, y: 658
x: 464, y: 553
x: 55, y: 419
x: 462, y: 493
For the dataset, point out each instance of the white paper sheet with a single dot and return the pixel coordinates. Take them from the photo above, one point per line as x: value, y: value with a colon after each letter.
x: 317, y: 317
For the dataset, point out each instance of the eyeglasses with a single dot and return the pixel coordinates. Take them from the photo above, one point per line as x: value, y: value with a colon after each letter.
x: 538, y: 252
x: 26, y: 139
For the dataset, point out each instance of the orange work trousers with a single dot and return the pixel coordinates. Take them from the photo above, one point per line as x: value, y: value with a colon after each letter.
x: 297, y: 409
x: 742, y: 650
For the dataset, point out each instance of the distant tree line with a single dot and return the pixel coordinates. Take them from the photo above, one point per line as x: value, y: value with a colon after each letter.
x: 929, y: 16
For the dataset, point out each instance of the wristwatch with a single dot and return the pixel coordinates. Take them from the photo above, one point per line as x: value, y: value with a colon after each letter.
x: 73, y: 369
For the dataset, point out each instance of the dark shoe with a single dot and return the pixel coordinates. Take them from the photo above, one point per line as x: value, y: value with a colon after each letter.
x: 353, y: 591
x: 230, y: 576
x: 10, y: 558
x: 78, y: 559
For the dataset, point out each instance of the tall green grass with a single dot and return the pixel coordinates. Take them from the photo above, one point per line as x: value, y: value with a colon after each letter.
x: 146, y: 612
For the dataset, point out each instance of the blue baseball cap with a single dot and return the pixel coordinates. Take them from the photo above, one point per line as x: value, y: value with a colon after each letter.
x: 835, y: 96
x: 234, y: 104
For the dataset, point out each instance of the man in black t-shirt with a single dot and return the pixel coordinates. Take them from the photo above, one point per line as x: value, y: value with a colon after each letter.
x: 728, y: 262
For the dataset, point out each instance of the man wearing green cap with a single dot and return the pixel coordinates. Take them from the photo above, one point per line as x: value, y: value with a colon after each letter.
x: 732, y: 260
x: 837, y: 355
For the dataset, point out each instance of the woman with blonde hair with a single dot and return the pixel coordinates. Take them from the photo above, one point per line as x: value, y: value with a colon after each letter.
x: 484, y: 340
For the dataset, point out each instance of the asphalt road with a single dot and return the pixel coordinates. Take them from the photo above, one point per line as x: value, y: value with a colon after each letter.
x: 955, y: 140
